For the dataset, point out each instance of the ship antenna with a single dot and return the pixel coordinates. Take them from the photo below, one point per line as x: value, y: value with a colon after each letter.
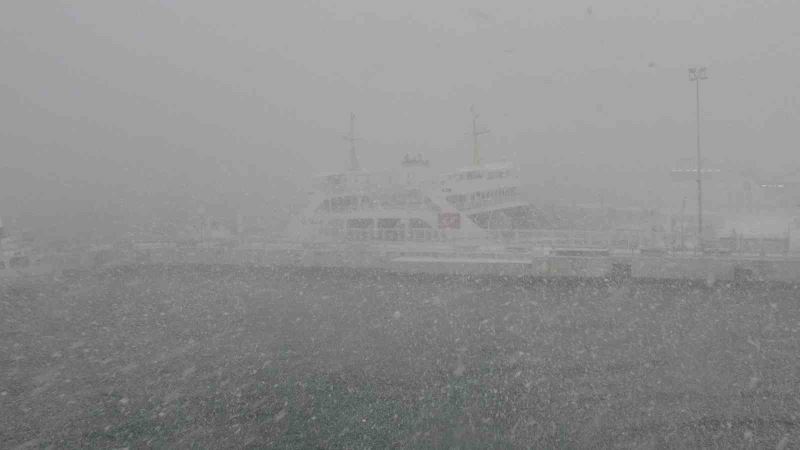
x: 352, y: 139
x: 476, y: 154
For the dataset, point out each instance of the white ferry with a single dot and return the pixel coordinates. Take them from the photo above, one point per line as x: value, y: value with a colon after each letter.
x: 476, y: 205
x: 412, y: 202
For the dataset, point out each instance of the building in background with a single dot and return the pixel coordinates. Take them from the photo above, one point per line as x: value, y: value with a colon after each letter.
x: 736, y: 200
x: 782, y: 193
x: 731, y: 190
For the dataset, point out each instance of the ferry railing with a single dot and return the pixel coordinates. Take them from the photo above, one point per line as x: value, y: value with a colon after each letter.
x: 459, y: 242
x: 756, y: 245
x: 621, y: 240
x: 627, y: 240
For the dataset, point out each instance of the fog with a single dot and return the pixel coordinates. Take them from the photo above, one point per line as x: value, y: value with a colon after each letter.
x: 123, y: 100
x: 128, y: 129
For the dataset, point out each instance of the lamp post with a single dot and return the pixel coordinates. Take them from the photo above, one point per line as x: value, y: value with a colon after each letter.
x: 476, y: 155
x: 352, y: 139
x: 683, y: 224
x: 696, y: 75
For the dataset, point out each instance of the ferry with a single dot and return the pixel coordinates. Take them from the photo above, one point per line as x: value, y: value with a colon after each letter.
x: 413, y: 201
x: 481, y: 204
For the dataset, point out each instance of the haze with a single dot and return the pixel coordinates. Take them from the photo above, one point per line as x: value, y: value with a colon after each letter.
x: 399, y: 224
x: 112, y: 110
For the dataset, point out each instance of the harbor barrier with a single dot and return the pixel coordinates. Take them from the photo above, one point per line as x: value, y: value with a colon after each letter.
x: 482, y: 260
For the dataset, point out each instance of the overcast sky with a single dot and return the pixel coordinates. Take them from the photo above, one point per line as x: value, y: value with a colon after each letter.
x: 249, y: 95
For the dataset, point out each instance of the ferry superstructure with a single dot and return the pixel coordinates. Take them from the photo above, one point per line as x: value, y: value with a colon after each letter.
x: 411, y: 201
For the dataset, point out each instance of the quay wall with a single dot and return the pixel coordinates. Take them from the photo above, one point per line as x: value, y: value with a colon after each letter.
x: 538, y: 264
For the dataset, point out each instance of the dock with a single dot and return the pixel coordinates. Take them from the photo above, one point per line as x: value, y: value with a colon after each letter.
x: 444, y: 259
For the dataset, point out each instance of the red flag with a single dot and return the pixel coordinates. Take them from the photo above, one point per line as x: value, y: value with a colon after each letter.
x: 449, y: 220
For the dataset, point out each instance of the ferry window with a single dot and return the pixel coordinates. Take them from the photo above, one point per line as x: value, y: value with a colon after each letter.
x: 457, y: 200
x: 336, y: 223
x: 430, y: 205
x: 340, y: 204
x: 367, y: 202
x: 417, y: 223
x: 360, y: 223
x: 324, y: 206
x: 392, y: 222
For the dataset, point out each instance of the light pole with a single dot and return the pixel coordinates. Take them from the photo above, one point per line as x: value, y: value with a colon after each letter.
x: 683, y: 224
x: 476, y: 155
x: 352, y: 139
x: 696, y: 75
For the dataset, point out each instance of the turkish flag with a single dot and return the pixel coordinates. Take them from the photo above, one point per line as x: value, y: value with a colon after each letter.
x: 449, y: 220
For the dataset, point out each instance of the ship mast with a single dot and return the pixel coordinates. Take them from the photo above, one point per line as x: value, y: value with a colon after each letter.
x: 351, y: 137
x: 476, y: 155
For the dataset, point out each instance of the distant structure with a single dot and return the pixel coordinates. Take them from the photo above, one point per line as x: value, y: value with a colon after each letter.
x: 417, y: 160
x: 696, y: 75
x: 351, y: 137
x: 683, y: 171
x: 783, y: 192
x: 476, y: 154
x: 731, y: 190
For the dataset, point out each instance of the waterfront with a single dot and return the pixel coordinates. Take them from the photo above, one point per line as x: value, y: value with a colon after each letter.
x: 255, y: 358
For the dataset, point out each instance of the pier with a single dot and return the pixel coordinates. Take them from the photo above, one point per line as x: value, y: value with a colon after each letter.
x: 499, y: 261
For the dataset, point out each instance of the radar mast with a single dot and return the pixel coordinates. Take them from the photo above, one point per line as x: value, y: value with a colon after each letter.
x: 476, y: 154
